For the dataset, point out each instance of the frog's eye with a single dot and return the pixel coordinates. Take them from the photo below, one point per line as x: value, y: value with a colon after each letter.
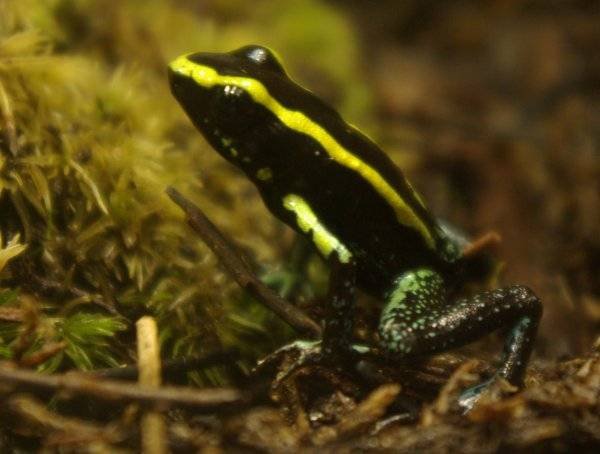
x: 260, y: 56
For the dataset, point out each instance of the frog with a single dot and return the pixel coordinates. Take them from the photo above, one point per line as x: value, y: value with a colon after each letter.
x: 337, y: 188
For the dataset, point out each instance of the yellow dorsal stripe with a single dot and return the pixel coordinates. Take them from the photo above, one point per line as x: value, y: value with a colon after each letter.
x: 296, y: 120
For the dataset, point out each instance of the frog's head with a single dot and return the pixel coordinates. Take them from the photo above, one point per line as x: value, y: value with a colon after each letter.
x: 226, y: 96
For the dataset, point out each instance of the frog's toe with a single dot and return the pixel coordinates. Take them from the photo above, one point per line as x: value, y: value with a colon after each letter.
x: 291, y: 357
x: 469, y: 397
x: 300, y: 354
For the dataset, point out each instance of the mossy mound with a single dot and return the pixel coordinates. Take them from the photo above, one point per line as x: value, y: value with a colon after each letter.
x: 90, y: 140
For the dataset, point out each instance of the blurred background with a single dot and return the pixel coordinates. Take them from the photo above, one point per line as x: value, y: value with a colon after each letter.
x: 491, y: 108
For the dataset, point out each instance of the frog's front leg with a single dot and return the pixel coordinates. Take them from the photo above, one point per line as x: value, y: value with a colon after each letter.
x: 336, y: 347
x: 418, y: 320
x: 339, y: 318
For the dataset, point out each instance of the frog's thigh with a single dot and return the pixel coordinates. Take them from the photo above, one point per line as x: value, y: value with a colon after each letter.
x: 418, y: 320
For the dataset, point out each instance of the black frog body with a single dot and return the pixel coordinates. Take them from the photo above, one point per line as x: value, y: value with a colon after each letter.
x: 332, y: 184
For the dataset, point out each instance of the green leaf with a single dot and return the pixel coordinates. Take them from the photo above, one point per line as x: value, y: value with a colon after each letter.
x: 5, y: 352
x: 8, y: 296
x: 10, y: 250
x: 90, y: 339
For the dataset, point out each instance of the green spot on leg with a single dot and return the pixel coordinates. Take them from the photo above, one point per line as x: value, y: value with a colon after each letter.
x: 422, y: 283
x: 264, y: 174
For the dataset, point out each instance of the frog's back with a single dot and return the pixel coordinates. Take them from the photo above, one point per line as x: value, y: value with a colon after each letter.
x: 363, y: 200
x: 315, y: 171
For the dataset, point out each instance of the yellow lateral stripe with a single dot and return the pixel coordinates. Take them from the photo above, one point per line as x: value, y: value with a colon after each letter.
x: 296, y: 120
x: 308, y: 222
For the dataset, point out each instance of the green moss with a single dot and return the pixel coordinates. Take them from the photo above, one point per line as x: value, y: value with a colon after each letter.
x: 88, y: 337
x: 90, y: 140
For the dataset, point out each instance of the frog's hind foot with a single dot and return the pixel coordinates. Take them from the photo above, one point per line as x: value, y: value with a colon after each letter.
x: 302, y: 354
x: 491, y: 390
x: 470, y: 396
x: 290, y: 358
x: 302, y: 369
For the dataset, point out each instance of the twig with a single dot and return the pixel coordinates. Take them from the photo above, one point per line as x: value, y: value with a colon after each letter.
x: 440, y: 407
x: 487, y: 241
x: 27, y: 335
x: 9, y: 129
x: 365, y: 414
x: 239, y: 270
x: 152, y: 425
x: 40, y: 285
x: 148, y: 352
x: 173, y: 366
x: 62, y: 429
x: 11, y: 314
x: 205, y: 400
x: 47, y: 351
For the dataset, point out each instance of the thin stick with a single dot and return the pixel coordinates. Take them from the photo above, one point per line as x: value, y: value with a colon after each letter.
x: 171, y: 367
x: 152, y: 425
x: 47, y: 351
x: 10, y: 130
x: 69, y: 430
x: 487, y: 241
x: 239, y: 269
x: 11, y: 314
x: 148, y: 352
x: 202, y: 400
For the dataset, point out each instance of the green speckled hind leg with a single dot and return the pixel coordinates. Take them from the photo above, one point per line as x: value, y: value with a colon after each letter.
x: 417, y: 320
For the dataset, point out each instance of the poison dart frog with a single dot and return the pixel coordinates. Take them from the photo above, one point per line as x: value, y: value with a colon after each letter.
x: 335, y: 186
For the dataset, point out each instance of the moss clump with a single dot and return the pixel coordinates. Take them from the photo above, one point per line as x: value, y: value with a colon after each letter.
x: 82, y: 183
x: 90, y: 139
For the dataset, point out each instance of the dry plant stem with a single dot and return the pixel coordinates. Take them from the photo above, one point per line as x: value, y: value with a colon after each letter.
x: 41, y: 285
x: 153, y: 429
x: 202, y: 400
x: 148, y: 352
x: 487, y: 241
x: 11, y: 314
x: 239, y: 269
x: 173, y: 366
x: 8, y: 122
x: 364, y: 415
x: 47, y: 351
x: 61, y: 427
x: 441, y: 406
x: 27, y: 335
